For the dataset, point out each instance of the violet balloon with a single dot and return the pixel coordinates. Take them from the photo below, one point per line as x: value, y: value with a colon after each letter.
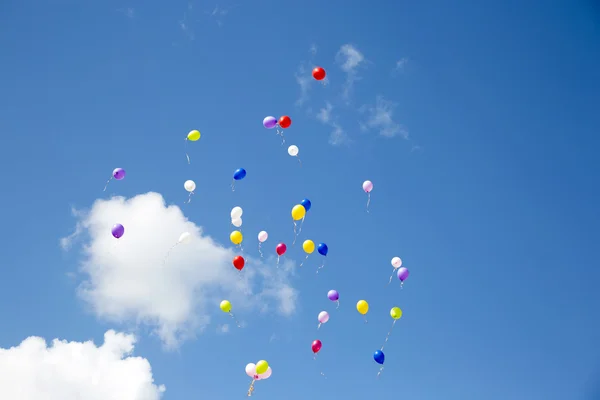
x: 333, y: 295
x: 118, y: 231
x: 119, y: 173
x: 270, y: 122
x: 403, y: 273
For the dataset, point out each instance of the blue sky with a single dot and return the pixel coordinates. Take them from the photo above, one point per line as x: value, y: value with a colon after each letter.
x: 477, y: 123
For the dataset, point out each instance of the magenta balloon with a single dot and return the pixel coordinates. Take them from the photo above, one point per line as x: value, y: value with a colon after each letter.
x: 118, y: 230
x: 119, y: 173
x: 333, y: 295
x: 403, y: 273
x: 270, y: 122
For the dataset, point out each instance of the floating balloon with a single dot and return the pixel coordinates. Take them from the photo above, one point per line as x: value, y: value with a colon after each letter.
x: 333, y: 295
x: 368, y: 187
x: 261, y: 367
x: 285, y: 122
x: 280, y: 249
x: 265, y: 375
x: 239, y: 262
x: 236, y: 222
x: 396, y: 263
x: 316, y: 346
x: 259, y: 371
x: 293, y: 151
x: 323, y: 317
x: 309, y: 247
x: 190, y: 186
x: 403, y: 275
x: 262, y: 237
x: 236, y: 237
x: 395, y: 313
x: 306, y: 204
x: 236, y: 212
x: 118, y: 174
x: 298, y: 212
x: 322, y: 249
x: 318, y: 73
x: 225, y: 306
x: 193, y: 136
x: 270, y: 122
x: 251, y: 370
x: 238, y: 175
x: 363, y: 308
x: 118, y: 231
x: 184, y: 238
x: 379, y: 358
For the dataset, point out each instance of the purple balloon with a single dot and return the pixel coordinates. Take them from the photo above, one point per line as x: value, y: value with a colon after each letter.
x: 270, y: 122
x: 118, y: 230
x: 119, y: 173
x: 403, y: 273
x: 333, y: 295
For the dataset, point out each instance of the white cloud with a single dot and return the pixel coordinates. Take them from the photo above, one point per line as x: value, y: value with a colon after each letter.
x: 349, y: 59
x: 381, y: 119
x: 126, y: 280
x: 313, y: 49
x: 76, y: 371
x: 337, y: 136
x: 324, y: 114
x: 304, y: 80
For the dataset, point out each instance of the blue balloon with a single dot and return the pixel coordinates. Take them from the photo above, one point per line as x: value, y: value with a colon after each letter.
x: 322, y: 249
x: 239, y: 174
x: 379, y: 357
x: 306, y: 204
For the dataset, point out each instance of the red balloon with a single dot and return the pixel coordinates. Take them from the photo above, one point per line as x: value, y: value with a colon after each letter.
x: 285, y: 122
x: 316, y: 346
x: 280, y: 249
x: 319, y: 73
x: 238, y: 262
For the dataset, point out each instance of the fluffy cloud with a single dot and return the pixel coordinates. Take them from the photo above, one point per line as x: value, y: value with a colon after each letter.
x: 349, y: 59
x: 128, y: 280
x: 380, y: 118
x: 76, y: 371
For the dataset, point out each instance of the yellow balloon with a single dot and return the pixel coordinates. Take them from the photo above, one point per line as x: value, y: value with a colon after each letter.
x: 396, y: 312
x: 298, y: 212
x: 308, y: 246
x: 193, y: 135
x: 236, y: 237
x: 362, y: 306
x: 225, y: 306
x: 261, y: 367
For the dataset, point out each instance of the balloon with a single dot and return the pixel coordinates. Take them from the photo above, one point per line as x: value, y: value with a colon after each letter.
x: 280, y: 249
x: 367, y: 186
x: 362, y: 306
x: 261, y: 367
x: 236, y: 237
x: 396, y: 262
x: 379, y: 357
x: 308, y: 246
x: 119, y: 173
x: 323, y: 317
x: 293, y: 150
x: 263, y: 236
x: 403, y: 274
x: 236, y: 222
x: 270, y: 122
x: 185, y: 238
x: 322, y: 249
x: 396, y: 313
x: 285, y: 122
x: 118, y: 231
x: 316, y: 346
x: 239, y: 262
x: 266, y: 375
x: 225, y: 306
x: 298, y: 212
x: 239, y: 174
x: 236, y: 212
x: 189, y: 185
x: 318, y: 73
x: 193, y: 135
x: 333, y: 295
x: 306, y: 204
x: 251, y: 370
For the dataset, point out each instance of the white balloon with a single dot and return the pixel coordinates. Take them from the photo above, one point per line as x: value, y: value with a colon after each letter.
x: 266, y: 374
x: 236, y: 212
x: 189, y: 185
x: 236, y: 222
x: 263, y: 236
x: 396, y: 262
x: 323, y: 317
x: 251, y: 370
x: 293, y: 150
x: 185, y: 238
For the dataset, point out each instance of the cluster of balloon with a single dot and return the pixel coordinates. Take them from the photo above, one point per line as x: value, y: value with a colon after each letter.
x: 193, y: 136
x: 189, y: 186
x: 118, y: 174
x: 293, y: 151
x: 298, y: 213
x: 396, y: 263
x: 323, y: 317
x: 238, y: 175
x: 309, y: 247
x: 262, y: 237
x: 184, y: 238
x: 284, y: 122
x: 258, y: 372
x: 280, y: 249
x: 236, y: 216
x: 368, y: 187
x: 322, y: 249
x: 333, y: 295
x: 363, y: 308
x: 226, y: 308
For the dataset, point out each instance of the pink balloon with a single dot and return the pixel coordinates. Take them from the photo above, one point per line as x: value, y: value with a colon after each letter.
x: 251, y: 370
x: 266, y: 374
x: 323, y: 317
x: 367, y: 186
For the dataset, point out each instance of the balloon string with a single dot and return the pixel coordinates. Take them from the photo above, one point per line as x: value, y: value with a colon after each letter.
x: 365, y: 318
x: 306, y: 258
x: 391, y: 276
x: 185, y: 149
x: 107, y: 182
x: 301, y: 224
x: 251, y: 388
x: 295, y: 233
x: 388, y: 335
x: 189, y: 198
x: 380, y: 371
x: 280, y: 133
x: 368, y: 200
x: 260, y: 250
x: 235, y: 319
x: 323, y: 375
x: 278, y: 257
x: 319, y: 326
x: 321, y: 267
x: 299, y: 161
x: 338, y: 304
x: 169, y: 252
x: 401, y: 284
x: 233, y: 185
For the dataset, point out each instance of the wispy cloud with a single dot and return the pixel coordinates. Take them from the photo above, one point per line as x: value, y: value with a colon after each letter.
x: 185, y: 22
x: 337, y: 136
x: 304, y: 81
x: 349, y: 59
x: 219, y: 13
x: 381, y: 118
x: 400, y: 66
x: 129, y: 12
x: 313, y: 49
